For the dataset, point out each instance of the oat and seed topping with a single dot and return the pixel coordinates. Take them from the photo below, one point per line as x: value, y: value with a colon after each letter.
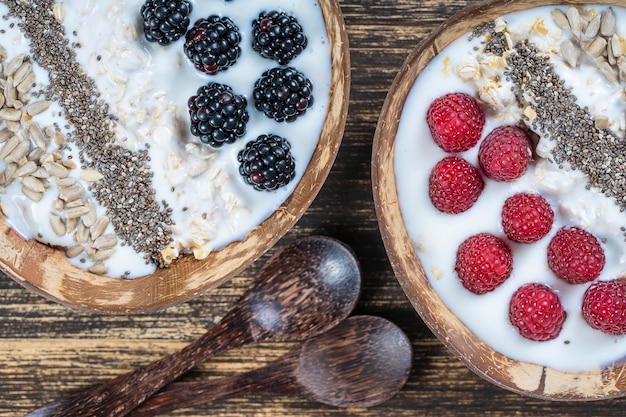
x: 126, y: 187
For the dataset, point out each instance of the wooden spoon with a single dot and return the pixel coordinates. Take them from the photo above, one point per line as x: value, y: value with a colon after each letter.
x: 305, y: 289
x: 362, y: 362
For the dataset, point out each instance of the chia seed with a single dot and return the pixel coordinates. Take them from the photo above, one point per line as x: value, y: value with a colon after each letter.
x: 126, y: 189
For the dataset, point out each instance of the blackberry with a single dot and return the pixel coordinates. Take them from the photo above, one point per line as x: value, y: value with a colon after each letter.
x: 212, y: 44
x: 165, y: 21
x: 283, y: 94
x: 217, y: 114
x: 279, y: 36
x: 266, y: 163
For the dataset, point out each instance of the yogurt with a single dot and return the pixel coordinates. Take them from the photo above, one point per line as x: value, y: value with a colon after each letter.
x: 147, y: 87
x: 436, y: 236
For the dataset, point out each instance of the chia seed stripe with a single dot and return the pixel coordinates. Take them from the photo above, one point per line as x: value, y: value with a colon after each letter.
x: 598, y: 153
x: 126, y: 189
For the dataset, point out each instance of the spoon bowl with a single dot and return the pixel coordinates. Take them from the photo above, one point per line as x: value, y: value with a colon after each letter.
x: 316, y: 277
x: 362, y: 362
x: 307, y: 287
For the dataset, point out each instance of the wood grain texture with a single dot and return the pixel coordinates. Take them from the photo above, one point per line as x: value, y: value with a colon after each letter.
x: 48, y: 351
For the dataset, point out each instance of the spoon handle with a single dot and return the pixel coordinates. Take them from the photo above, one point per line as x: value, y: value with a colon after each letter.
x: 119, y: 396
x: 277, y: 377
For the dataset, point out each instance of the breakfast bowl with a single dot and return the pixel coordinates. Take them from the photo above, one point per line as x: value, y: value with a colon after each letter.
x: 196, y: 198
x: 442, y: 199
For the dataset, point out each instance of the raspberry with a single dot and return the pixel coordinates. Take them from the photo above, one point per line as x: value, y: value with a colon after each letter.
x: 454, y: 185
x: 526, y: 218
x: 165, y: 21
x: 279, y: 36
x: 604, y: 306
x: 212, y: 44
x: 504, y: 155
x: 456, y: 122
x: 575, y: 255
x: 217, y: 114
x: 283, y: 94
x: 483, y: 262
x: 536, y: 311
x: 266, y: 163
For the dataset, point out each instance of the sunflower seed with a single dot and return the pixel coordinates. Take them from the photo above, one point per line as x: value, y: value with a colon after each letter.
x: 27, y: 169
x: 57, y: 224
x: 65, y: 182
x: 90, y: 175
x: 102, y: 255
x: 574, y: 20
x: 11, y: 114
x: 71, y: 193
x: 621, y: 66
x: 607, y: 23
x: 9, y: 145
x: 35, y: 154
x: 5, y: 134
x: 33, y: 184
x: 607, y: 70
x: 13, y: 126
x: 26, y: 84
x: 74, y: 203
x: 9, y: 172
x: 105, y: 242
x: 99, y: 227
x: 90, y: 218
x: 10, y: 92
x: 609, y: 55
x: 70, y: 224
x: 593, y: 27
x: 58, y: 204
x: 68, y: 164
x: 22, y: 72
x: 32, y: 195
x: 41, y: 173
x: 81, y: 235
x: 615, y: 46
x: 570, y: 53
x: 560, y: 19
x: 37, y: 136
x: 73, y: 251
x: 596, y: 48
x: 21, y: 99
x: 13, y: 65
x: 20, y: 151
x: 98, y: 269
x: 37, y: 107
x: 57, y: 170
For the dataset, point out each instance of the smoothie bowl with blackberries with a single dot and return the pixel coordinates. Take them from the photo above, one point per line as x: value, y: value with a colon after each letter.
x: 148, y: 136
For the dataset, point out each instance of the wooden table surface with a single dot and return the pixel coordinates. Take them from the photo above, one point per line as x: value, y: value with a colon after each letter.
x: 48, y: 351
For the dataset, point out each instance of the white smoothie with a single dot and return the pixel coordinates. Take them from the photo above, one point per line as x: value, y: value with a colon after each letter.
x: 147, y: 87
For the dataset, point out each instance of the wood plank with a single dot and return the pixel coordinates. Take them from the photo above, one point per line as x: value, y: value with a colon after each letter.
x: 48, y: 351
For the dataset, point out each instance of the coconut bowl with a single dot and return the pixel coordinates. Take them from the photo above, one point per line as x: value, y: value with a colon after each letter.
x: 46, y: 270
x: 521, y: 377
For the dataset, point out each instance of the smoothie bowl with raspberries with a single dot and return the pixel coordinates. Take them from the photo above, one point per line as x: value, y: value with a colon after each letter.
x: 151, y: 149
x: 499, y: 179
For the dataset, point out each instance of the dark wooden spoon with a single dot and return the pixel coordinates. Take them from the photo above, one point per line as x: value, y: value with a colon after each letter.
x: 305, y: 289
x: 362, y: 362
